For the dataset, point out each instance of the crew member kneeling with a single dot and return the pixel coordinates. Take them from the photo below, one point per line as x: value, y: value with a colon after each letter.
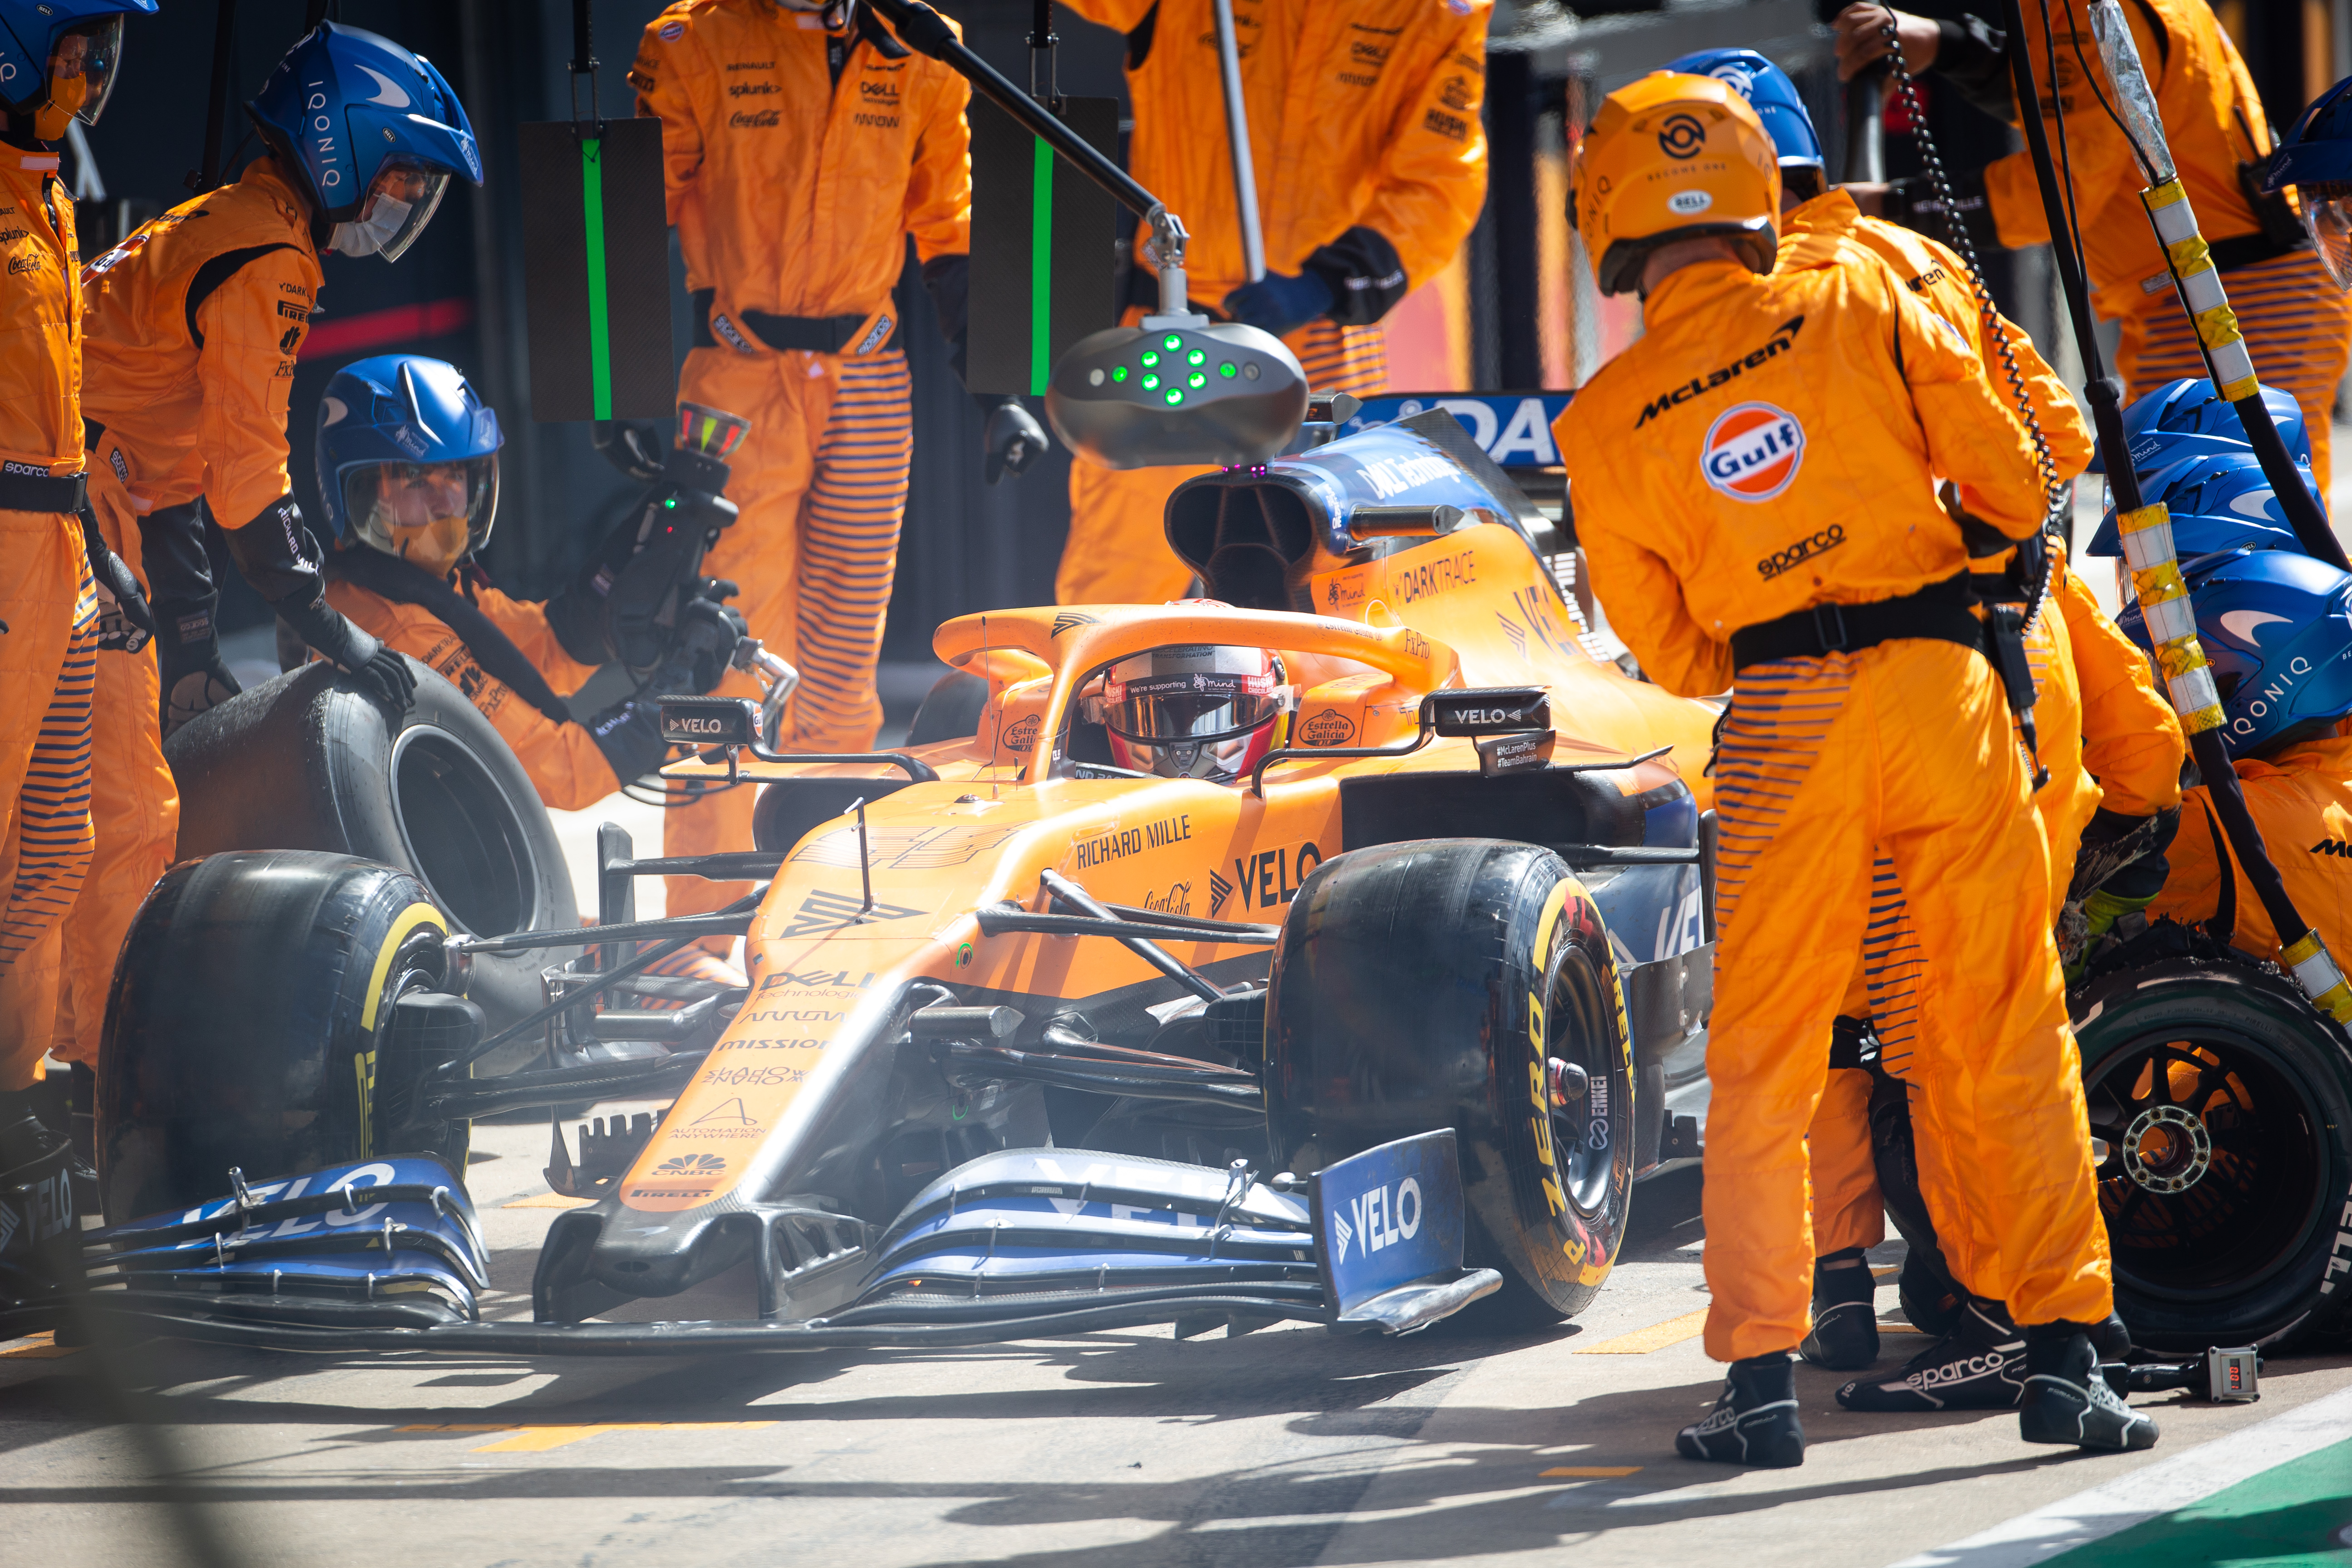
x: 408, y: 468
x: 1756, y: 485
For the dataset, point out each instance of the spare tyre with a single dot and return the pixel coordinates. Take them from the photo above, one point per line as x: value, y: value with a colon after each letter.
x: 308, y: 761
x: 1465, y: 983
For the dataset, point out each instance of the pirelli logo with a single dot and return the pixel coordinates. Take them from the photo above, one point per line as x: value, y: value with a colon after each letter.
x: 1783, y: 338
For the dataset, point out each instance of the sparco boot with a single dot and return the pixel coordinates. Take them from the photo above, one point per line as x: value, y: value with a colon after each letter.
x: 1754, y: 1422
x: 2066, y: 1400
x: 1844, y: 1335
x: 1980, y: 1366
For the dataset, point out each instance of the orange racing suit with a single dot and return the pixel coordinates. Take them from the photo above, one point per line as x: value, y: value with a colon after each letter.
x: 795, y: 188
x: 2301, y: 798
x: 2099, y: 719
x: 2297, y: 325
x: 1370, y: 162
x: 194, y: 321
x: 1772, y: 445
x: 48, y: 615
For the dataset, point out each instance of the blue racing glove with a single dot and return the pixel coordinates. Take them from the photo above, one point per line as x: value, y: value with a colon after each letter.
x: 1279, y: 305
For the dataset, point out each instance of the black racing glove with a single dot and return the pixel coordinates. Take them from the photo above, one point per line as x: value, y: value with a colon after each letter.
x: 708, y: 633
x: 1011, y: 441
x: 188, y: 659
x: 124, y: 622
x: 629, y: 735
x: 629, y: 732
x: 381, y: 671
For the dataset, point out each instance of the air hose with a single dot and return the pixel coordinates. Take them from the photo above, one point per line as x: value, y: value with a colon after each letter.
x: 2147, y: 528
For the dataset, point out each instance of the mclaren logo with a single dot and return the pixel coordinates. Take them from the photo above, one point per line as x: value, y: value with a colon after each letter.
x: 1064, y: 623
x: 821, y: 912
x: 1783, y: 338
x: 2336, y: 846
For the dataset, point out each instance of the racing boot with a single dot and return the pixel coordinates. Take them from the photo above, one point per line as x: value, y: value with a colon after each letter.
x: 1755, y: 1420
x: 1980, y: 1365
x: 1927, y: 1296
x: 1844, y: 1335
x: 2068, y: 1401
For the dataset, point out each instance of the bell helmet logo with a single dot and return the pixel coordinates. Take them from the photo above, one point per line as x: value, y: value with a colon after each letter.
x: 1685, y: 204
x: 1753, y: 451
x: 1681, y: 136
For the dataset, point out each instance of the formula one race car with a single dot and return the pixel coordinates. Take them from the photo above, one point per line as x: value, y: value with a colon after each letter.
x: 1329, y: 948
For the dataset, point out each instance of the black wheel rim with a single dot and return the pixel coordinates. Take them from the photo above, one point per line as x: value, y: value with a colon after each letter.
x: 2209, y: 1180
x: 1584, y: 1131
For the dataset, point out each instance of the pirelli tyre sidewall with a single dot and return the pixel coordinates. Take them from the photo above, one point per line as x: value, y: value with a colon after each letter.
x: 244, y: 1025
x: 310, y: 762
x: 1427, y: 984
x: 2237, y: 1229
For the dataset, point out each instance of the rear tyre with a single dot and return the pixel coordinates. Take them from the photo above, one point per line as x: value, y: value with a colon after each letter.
x: 307, y: 762
x: 243, y: 1027
x: 2226, y: 1106
x: 1432, y: 983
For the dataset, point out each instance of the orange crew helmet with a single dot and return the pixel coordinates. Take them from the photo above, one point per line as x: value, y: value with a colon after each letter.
x: 1674, y: 157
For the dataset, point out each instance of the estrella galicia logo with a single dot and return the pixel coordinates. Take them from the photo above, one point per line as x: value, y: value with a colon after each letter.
x: 691, y: 1165
x: 1681, y: 136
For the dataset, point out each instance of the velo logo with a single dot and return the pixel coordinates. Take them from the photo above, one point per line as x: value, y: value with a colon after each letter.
x: 1752, y: 451
x: 1681, y: 136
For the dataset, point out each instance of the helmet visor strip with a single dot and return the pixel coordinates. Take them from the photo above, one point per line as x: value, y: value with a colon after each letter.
x: 400, y: 202
x: 82, y: 63
x: 2327, y: 218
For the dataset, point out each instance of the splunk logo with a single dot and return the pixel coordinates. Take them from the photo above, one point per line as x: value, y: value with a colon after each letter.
x: 1753, y: 451
x: 2272, y: 692
x: 1377, y: 1220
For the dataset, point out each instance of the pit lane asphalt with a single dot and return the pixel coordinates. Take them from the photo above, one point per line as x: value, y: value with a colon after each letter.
x: 1286, y: 1447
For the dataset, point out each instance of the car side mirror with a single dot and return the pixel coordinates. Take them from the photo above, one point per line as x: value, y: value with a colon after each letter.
x: 1487, y: 711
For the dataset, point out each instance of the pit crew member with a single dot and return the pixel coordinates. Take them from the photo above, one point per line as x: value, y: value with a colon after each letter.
x: 2297, y: 322
x: 193, y: 324
x: 63, y: 55
x: 1372, y: 166
x: 1774, y: 529
x: 802, y: 146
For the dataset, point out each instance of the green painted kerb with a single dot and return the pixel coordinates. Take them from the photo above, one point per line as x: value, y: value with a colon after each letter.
x: 1041, y: 269
x: 600, y: 326
x: 2287, y: 1516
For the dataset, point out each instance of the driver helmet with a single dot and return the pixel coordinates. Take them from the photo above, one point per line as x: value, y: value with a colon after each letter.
x: 1197, y: 710
x: 408, y: 460
x: 58, y: 58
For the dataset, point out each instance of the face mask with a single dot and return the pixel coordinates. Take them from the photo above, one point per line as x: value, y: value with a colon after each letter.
x: 67, y: 95
x: 372, y: 232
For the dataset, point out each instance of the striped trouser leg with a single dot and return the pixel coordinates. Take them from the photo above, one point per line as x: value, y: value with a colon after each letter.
x: 849, y: 550
x: 46, y: 851
x: 1353, y: 360
x: 2298, y: 328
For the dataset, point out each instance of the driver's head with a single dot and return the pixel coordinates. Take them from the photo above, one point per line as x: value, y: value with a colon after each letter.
x: 1196, y: 710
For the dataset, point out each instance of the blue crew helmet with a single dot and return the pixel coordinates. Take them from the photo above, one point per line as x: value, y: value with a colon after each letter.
x: 1773, y: 96
x: 408, y: 460
x: 371, y: 132
x: 2217, y: 501
x: 2277, y: 629
x: 2186, y: 417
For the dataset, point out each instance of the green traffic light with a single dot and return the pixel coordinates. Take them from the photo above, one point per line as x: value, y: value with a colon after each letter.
x: 1197, y: 357
x: 1175, y: 396
x: 1171, y: 341
x: 1227, y: 370
x: 1150, y: 358
x: 1119, y: 373
x: 1149, y: 381
x: 1200, y: 380
x: 669, y: 503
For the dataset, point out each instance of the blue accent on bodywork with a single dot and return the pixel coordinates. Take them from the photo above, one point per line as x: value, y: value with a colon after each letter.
x: 1388, y: 1216
x: 1514, y: 428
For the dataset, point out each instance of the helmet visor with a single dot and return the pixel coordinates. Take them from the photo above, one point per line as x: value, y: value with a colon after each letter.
x: 82, y: 63
x: 1192, y: 724
x: 400, y: 202
x: 2327, y: 218
x: 431, y: 515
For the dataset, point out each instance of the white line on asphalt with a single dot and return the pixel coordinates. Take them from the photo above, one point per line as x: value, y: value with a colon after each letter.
x: 2186, y: 1477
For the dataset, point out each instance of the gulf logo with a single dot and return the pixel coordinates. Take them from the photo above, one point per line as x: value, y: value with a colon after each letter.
x: 1753, y: 451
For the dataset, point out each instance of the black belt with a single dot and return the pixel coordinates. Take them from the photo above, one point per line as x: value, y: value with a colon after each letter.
x: 1938, y: 613
x: 28, y: 492
x: 2245, y: 250
x: 811, y: 334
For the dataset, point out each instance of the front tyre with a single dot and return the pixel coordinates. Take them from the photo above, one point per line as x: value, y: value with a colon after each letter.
x: 1465, y: 983
x: 2225, y: 1104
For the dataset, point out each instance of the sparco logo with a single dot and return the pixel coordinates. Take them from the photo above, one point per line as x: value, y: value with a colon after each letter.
x: 1951, y: 1372
x: 1805, y: 549
x: 1753, y: 451
x: 1784, y: 338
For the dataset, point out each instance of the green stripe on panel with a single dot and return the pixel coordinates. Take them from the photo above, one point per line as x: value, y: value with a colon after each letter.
x: 600, y: 326
x: 1041, y: 270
